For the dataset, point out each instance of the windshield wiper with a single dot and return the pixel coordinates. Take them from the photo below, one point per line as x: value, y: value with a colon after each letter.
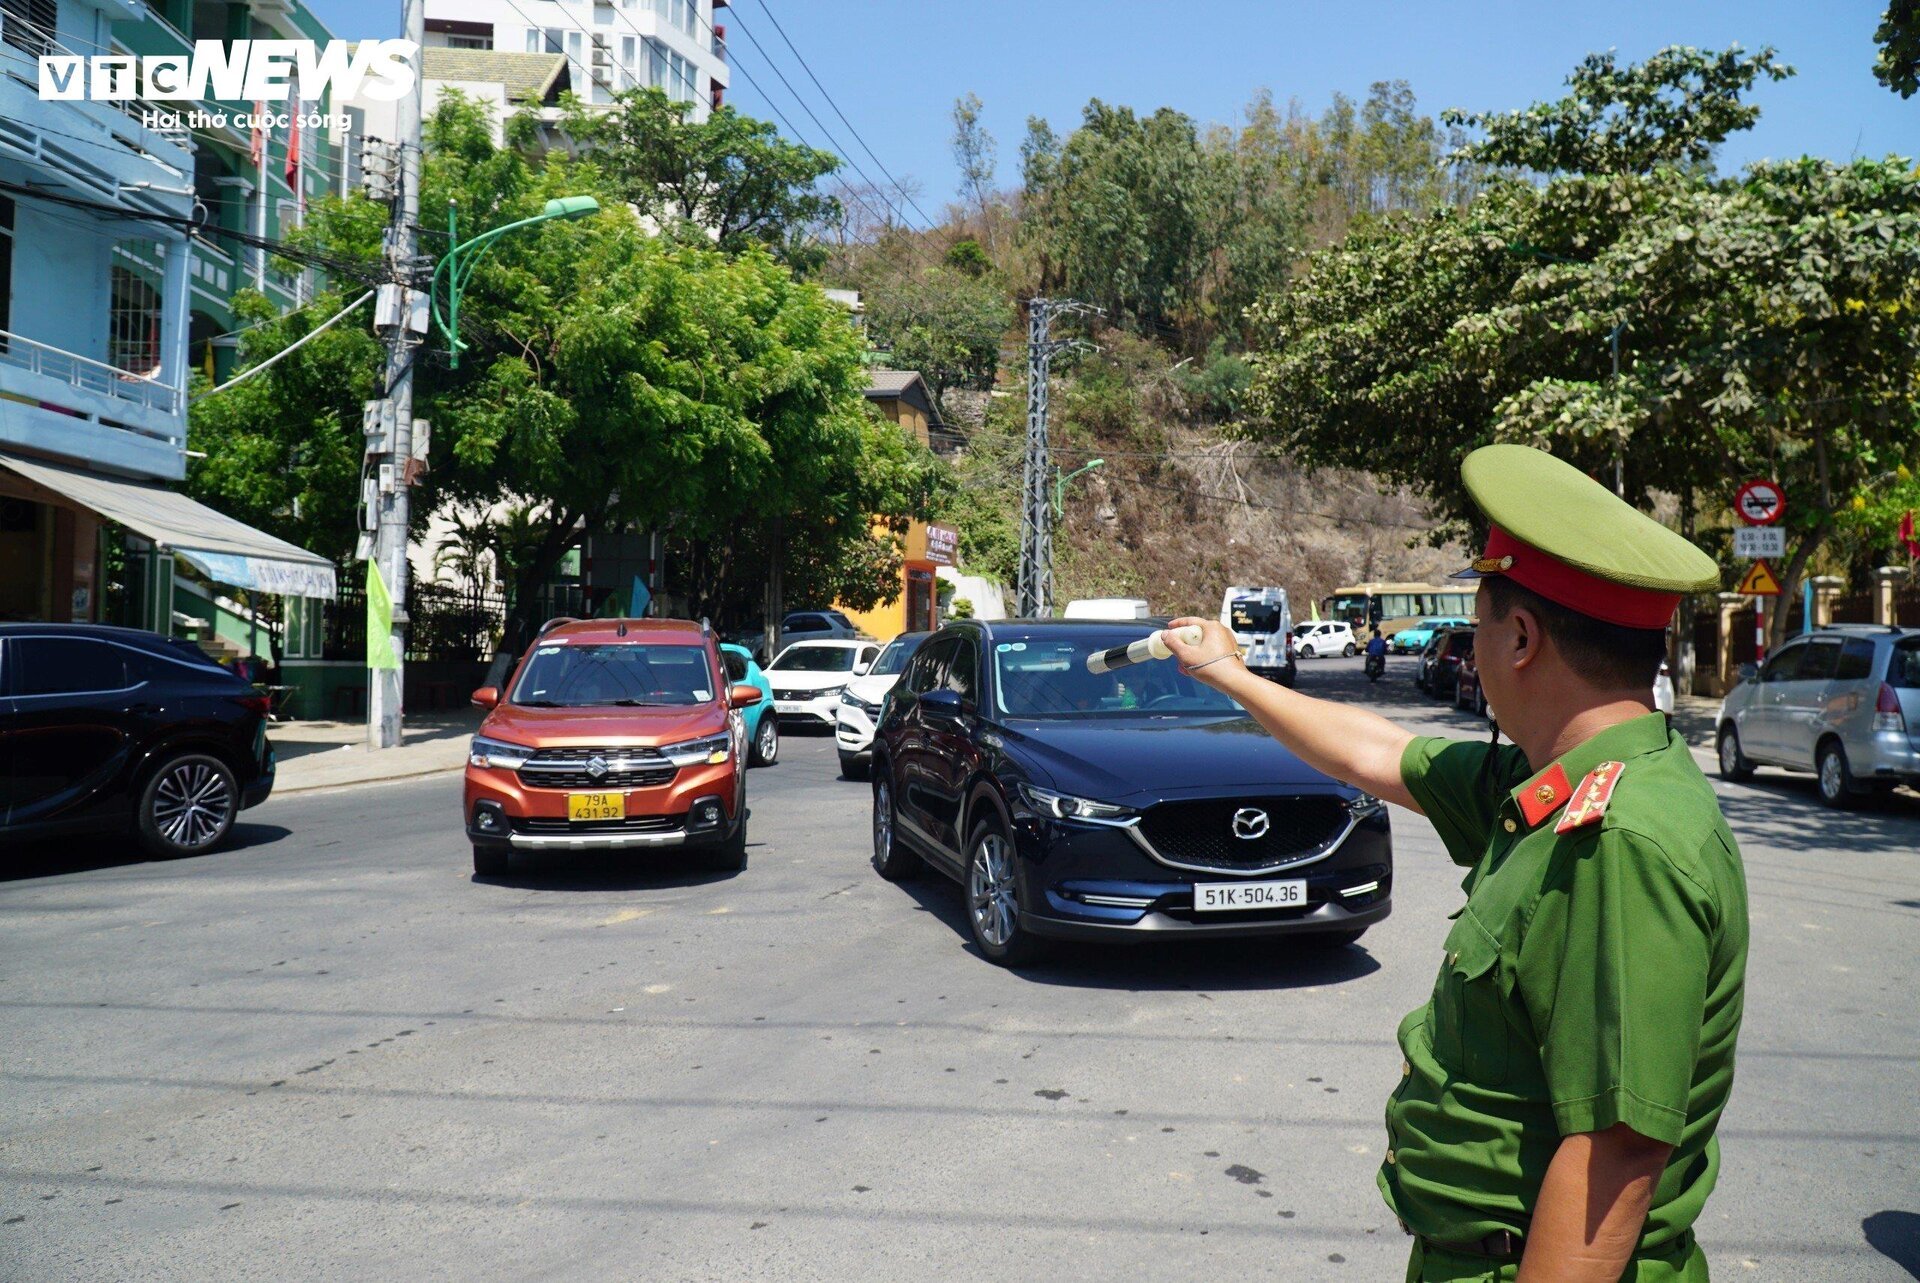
x: 539, y: 703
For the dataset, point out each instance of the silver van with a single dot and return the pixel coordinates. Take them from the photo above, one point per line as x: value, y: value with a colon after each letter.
x: 1842, y: 702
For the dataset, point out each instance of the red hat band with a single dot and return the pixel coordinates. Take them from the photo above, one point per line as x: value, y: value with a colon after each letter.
x: 1569, y: 586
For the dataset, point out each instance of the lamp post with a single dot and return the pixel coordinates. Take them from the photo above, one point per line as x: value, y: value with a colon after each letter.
x: 458, y: 264
x: 1060, y: 485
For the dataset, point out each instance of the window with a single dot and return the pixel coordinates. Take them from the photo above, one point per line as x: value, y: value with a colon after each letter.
x: 929, y: 667
x: 29, y: 25
x: 656, y: 64
x: 1821, y: 660
x: 1784, y: 665
x: 1856, y: 660
x: 736, y: 666
x: 805, y: 624
x: 814, y: 659
x: 963, y: 672
x: 66, y: 666
x: 1903, y: 669
x: 133, y: 342
x: 469, y: 42
x: 6, y: 265
x: 894, y: 658
x: 868, y: 655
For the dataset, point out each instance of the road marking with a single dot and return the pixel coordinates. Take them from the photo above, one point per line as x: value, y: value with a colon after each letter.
x: 625, y: 915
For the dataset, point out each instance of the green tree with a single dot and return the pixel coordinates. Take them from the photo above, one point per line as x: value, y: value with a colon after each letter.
x: 1672, y: 109
x: 1898, y: 64
x: 976, y: 155
x: 729, y: 176
x: 945, y: 322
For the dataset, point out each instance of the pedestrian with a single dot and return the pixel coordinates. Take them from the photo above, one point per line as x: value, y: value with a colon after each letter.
x: 1558, y: 1097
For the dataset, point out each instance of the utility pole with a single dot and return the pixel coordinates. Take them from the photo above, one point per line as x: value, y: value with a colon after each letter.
x: 402, y: 314
x: 1034, y: 592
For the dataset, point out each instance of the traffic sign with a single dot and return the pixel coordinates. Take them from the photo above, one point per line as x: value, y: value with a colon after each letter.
x: 1760, y: 503
x: 1759, y: 541
x: 1759, y: 581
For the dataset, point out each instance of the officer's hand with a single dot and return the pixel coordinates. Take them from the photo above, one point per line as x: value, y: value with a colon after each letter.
x: 1216, y: 642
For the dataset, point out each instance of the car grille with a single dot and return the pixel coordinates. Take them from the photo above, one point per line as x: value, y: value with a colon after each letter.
x: 632, y: 824
x: 623, y: 768
x: 1201, y: 832
x: 802, y: 696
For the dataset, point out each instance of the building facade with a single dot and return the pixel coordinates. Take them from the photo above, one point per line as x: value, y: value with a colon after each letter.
x: 677, y: 46
x: 902, y: 398
x: 110, y: 262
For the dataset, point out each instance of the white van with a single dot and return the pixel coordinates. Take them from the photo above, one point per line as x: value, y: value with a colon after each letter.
x: 1106, y: 608
x: 1262, y: 623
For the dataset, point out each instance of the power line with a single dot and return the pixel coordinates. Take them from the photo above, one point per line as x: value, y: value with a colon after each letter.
x: 804, y: 66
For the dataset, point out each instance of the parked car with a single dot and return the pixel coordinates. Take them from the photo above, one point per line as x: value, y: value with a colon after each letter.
x: 861, y: 701
x: 1133, y: 804
x: 107, y: 730
x: 1466, y: 690
x: 813, y: 625
x: 763, y: 724
x: 1439, y: 673
x: 612, y: 735
x: 1413, y: 639
x: 1842, y: 702
x: 809, y: 676
x: 1320, y: 638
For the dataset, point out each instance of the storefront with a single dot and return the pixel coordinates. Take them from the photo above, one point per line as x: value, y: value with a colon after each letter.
x: 61, y: 527
x: 916, y: 609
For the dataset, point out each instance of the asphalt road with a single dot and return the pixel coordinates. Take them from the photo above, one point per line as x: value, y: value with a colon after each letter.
x: 328, y: 1052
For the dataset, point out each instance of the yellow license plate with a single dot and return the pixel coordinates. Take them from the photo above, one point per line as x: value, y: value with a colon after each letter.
x: 596, y: 806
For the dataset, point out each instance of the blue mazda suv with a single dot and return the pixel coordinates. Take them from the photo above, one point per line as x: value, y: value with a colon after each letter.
x: 1124, y: 805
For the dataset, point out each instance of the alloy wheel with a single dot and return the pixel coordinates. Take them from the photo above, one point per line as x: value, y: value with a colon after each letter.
x: 1833, y: 778
x: 1729, y: 755
x: 990, y: 893
x: 192, y: 805
x: 766, y: 741
x: 882, y: 823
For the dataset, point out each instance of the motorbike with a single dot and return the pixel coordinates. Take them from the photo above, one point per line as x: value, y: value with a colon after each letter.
x: 1376, y: 667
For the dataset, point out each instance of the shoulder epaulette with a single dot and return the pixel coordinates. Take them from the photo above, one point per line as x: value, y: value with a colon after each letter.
x: 1591, y: 797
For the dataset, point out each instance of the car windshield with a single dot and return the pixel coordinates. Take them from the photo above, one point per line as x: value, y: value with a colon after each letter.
x: 814, y: 659
x: 560, y: 675
x: 1048, y: 677
x: 1255, y: 617
x: 894, y: 658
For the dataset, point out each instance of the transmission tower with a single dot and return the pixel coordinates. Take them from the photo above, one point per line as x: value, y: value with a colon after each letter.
x: 1034, y: 591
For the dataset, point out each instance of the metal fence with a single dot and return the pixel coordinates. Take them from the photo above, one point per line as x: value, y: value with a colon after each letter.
x: 446, y: 624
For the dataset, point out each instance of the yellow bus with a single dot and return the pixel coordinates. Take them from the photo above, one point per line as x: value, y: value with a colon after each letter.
x: 1392, y: 607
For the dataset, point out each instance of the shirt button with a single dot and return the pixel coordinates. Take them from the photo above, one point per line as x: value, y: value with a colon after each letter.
x: 1391, y: 1158
x: 1509, y: 825
x: 1406, y: 1070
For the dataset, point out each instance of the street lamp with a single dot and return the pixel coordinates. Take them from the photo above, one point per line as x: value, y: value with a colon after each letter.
x: 1060, y: 486
x: 457, y: 266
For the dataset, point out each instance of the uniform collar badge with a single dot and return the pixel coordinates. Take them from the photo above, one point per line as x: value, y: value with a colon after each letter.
x: 1544, y: 794
x: 1591, y: 798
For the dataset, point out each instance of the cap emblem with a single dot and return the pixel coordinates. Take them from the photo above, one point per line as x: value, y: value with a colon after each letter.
x: 1492, y: 565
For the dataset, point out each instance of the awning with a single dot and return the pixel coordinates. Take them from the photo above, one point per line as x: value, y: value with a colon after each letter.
x: 225, y: 550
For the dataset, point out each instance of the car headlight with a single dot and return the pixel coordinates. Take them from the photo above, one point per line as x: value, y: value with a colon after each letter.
x: 825, y: 691
x: 484, y: 752
x: 1364, y: 805
x: 708, y: 750
x: 1064, y: 806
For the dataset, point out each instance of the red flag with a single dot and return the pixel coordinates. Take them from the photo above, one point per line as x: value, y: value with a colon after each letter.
x: 1907, y: 535
x: 256, y: 148
x: 293, y: 150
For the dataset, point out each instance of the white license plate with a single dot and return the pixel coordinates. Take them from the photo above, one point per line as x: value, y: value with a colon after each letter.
x: 1215, y: 897
x: 790, y: 706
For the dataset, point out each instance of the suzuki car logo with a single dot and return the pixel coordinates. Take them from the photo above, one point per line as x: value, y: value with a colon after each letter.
x: 1249, y: 822
x: 596, y: 766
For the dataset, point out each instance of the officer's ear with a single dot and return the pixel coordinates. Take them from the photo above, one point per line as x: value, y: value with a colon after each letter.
x: 1527, y: 634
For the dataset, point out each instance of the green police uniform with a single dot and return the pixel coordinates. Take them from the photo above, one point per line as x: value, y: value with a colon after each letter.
x: 1594, y: 975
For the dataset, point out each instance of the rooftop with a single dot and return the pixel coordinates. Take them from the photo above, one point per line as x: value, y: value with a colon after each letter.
x: 527, y: 77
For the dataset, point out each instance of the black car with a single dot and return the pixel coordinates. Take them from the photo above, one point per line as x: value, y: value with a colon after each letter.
x: 114, y: 729
x: 1125, y: 805
x: 1439, y: 671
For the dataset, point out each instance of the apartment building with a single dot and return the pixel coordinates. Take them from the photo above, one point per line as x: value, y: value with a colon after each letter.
x: 110, y: 264
x: 678, y: 46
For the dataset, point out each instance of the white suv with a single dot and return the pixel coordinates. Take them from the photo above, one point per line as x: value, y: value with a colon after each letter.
x: 1323, y: 639
x: 809, y: 676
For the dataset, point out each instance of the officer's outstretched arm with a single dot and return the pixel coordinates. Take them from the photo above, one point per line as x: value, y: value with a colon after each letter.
x: 1350, y: 744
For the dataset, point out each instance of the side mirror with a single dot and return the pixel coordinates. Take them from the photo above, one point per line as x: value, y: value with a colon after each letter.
x: 860, y: 669
x: 743, y: 696
x: 1747, y: 672
x: 486, y: 697
x: 941, y: 703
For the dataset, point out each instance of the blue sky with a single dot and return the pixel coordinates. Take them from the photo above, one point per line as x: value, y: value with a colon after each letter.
x: 895, y: 67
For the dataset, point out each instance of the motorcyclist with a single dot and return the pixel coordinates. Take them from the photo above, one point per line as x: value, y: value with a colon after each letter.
x: 1376, y: 652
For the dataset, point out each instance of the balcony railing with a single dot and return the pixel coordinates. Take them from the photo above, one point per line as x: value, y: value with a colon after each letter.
x: 87, y: 374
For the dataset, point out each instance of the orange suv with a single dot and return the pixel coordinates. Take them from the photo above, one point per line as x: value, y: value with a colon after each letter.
x: 611, y: 735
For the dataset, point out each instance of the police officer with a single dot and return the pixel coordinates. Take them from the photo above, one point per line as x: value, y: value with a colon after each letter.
x: 1558, y: 1096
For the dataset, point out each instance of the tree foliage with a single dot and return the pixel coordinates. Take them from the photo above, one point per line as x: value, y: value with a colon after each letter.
x: 1897, y: 66
x: 1767, y: 325
x: 1671, y: 109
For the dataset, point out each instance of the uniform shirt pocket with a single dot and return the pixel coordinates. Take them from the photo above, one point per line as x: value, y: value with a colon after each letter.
x: 1471, y: 1037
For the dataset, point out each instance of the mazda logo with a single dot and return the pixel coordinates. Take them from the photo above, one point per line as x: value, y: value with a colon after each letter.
x: 1249, y: 823
x: 597, y: 766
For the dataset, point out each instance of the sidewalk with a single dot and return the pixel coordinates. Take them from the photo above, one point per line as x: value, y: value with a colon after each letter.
x: 323, y: 755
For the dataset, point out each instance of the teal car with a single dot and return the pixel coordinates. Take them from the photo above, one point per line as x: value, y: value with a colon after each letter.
x: 763, y: 726
x: 1413, y: 639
